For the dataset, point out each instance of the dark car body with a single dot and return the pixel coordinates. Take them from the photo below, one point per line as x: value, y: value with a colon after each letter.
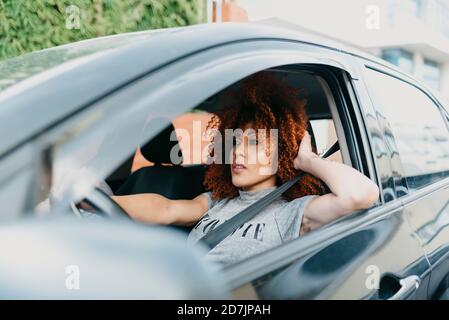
x: 65, y: 99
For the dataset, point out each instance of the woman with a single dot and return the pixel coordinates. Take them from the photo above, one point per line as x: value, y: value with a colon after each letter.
x: 264, y: 103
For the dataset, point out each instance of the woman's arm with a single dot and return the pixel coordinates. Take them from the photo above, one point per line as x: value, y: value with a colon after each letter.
x: 350, y: 189
x: 154, y: 208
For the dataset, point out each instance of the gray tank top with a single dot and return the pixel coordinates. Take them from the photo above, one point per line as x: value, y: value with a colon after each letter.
x: 277, y: 223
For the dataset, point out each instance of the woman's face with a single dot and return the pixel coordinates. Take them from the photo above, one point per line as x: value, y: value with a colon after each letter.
x: 252, y: 160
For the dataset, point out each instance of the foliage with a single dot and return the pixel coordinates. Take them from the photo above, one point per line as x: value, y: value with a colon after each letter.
x: 28, y: 25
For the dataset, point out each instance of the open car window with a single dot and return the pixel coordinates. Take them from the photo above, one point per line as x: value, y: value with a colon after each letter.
x: 150, y: 169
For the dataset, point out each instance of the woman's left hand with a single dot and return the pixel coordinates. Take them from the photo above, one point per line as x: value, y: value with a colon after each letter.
x: 305, y: 153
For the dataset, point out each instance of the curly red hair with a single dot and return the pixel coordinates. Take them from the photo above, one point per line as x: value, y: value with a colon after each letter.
x: 265, y: 102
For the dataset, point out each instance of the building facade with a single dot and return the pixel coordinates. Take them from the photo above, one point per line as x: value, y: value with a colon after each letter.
x: 412, y: 34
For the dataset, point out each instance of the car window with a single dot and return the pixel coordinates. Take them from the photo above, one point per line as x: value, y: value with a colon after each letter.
x: 419, y: 130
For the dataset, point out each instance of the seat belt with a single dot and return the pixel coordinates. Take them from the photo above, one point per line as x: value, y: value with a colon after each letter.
x: 215, y: 236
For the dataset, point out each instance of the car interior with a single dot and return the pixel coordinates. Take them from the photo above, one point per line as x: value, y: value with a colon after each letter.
x: 150, y: 169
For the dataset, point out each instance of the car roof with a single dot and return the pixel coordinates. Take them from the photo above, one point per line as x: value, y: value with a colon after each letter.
x: 27, y: 65
x: 83, y: 72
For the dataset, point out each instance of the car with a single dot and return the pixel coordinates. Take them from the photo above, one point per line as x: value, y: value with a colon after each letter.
x: 103, y: 109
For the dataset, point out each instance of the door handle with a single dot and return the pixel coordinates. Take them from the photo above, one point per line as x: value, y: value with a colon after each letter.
x: 408, y: 286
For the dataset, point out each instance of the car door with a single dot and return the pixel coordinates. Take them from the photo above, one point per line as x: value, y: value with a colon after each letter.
x: 372, y: 254
x: 420, y: 129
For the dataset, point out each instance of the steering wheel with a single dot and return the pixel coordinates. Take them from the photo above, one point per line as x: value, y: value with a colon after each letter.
x: 103, y: 205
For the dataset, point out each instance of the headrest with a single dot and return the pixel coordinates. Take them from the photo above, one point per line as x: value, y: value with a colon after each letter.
x: 158, y: 149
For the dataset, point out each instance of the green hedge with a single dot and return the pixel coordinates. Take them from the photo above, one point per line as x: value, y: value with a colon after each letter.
x: 28, y: 25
